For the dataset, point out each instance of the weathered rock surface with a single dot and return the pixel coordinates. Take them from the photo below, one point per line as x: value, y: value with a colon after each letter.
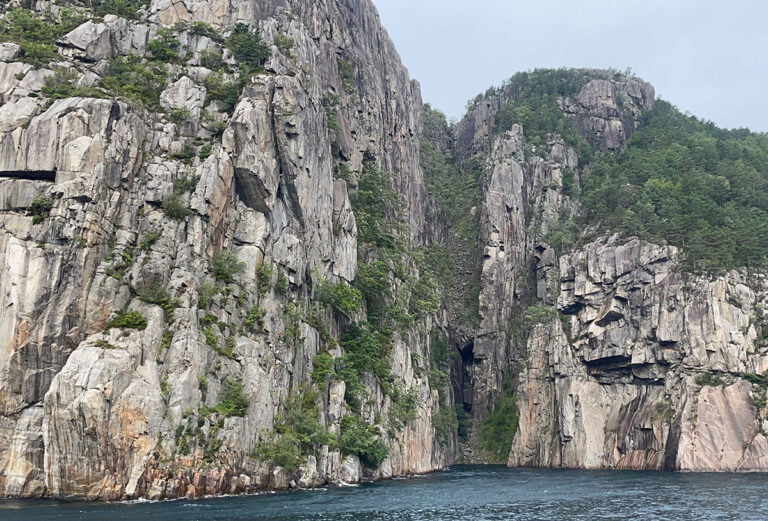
x: 110, y: 209
x: 86, y: 232
x: 645, y: 367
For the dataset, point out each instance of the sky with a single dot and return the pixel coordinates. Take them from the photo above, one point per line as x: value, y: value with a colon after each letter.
x: 707, y: 57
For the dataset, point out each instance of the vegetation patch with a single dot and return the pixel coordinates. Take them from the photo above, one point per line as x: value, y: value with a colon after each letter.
x: 363, y: 440
x: 498, y: 431
x: 129, y: 320
x: 298, y: 432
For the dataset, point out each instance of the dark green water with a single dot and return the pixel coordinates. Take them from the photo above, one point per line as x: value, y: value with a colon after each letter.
x: 472, y: 493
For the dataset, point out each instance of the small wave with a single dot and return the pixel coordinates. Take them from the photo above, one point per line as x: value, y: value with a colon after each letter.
x: 345, y: 484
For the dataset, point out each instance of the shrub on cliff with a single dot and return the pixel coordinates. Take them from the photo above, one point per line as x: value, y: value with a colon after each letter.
x: 247, y: 47
x: 129, y: 320
x: 363, y: 440
x: 225, y: 266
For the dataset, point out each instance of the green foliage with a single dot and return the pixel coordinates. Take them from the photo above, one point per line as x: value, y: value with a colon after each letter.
x: 124, y: 8
x: 247, y: 47
x: 323, y: 367
x: 234, y: 401
x: 185, y: 184
x: 711, y: 379
x: 297, y: 432
x: 375, y: 203
x: 464, y: 420
x: 340, y: 296
x: 225, y: 265
x: 533, y: 104
x: 164, y: 48
x: 284, y: 43
x: 498, y: 431
x: 206, y: 294
x: 761, y: 380
x: 347, y: 75
x: 132, y: 78
x: 224, y: 91
x: 538, y: 314
x: 455, y: 185
x: 63, y: 84
x: 175, y: 207
x: 255, y: 318
x: 686, y: 182
x: 362, y: 440
x: 129, y: 320
x: 446, y: 424
x: 562, y: 233
x: 403, y: 408
x: 179, y: 115
x: 366, y: 352
x: 203, y: 29
x: 205, y: 152
x: 40, y: 209
x: 153, y: 293
x: 211, y: 59
x: 282, y: 284
x: 185, y: 155
x: 35, y: 35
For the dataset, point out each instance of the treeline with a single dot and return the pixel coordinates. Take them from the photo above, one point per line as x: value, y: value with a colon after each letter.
x: 688, y: 183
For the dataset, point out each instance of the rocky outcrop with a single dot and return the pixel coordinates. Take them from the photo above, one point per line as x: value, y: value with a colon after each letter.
x: 644, y: 367
x: 120, y: 337
x: 183, y: 249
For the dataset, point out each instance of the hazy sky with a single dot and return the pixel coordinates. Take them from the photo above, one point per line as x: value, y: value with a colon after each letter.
x: 708, y: 57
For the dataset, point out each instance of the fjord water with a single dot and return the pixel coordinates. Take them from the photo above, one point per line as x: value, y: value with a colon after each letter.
x: 472, y: 493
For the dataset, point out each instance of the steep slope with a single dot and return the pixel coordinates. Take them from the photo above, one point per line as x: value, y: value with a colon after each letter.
x: 177, y: 260
x: 239, y: 254
x: 616, y: 353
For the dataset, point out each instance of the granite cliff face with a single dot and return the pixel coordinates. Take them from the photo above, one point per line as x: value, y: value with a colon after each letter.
x: 617, y: 357
x: 207, y: 293
x: 114, y: 209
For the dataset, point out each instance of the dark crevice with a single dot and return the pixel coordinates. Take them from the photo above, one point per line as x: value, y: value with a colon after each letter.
x: 32, y: 175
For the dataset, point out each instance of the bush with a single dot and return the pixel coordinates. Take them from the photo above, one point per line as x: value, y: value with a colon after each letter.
x: 498, y: 431
x: 124, y: 8
x: 211, y: 59
x: 446, y: 424
x: 323, y: 367
x: 63, y: 84
x: 284, y: 44
x: 247, y: 47
x: 254, y: 319
x: 35, y: 35
x: 179, y: 115
x: 403, y: 408
x: 175, y: 207
x: 153, y: 293
x: 164, y: 48
x: 538, y: 314
x: 226, y: 92
x: 362, y: 440
x: 225, y: 266
x: 203, y: 29
x: 297, y: 432
x: 129, y: 320
x: 130, y: 77
x: 340, y: 297
x: 711, y: 379
x: 40, y: 209
x: 234, y: 402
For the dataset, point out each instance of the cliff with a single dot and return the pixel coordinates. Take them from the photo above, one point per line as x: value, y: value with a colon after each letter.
x: 173, y: 267
x: 239, y: 254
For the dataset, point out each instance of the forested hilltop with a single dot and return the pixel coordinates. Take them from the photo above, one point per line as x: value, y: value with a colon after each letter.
x: 240, y: 254
x: 678, y: 180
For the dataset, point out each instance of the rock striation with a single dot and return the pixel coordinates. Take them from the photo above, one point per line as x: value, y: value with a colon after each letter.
x: 229, y: 278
